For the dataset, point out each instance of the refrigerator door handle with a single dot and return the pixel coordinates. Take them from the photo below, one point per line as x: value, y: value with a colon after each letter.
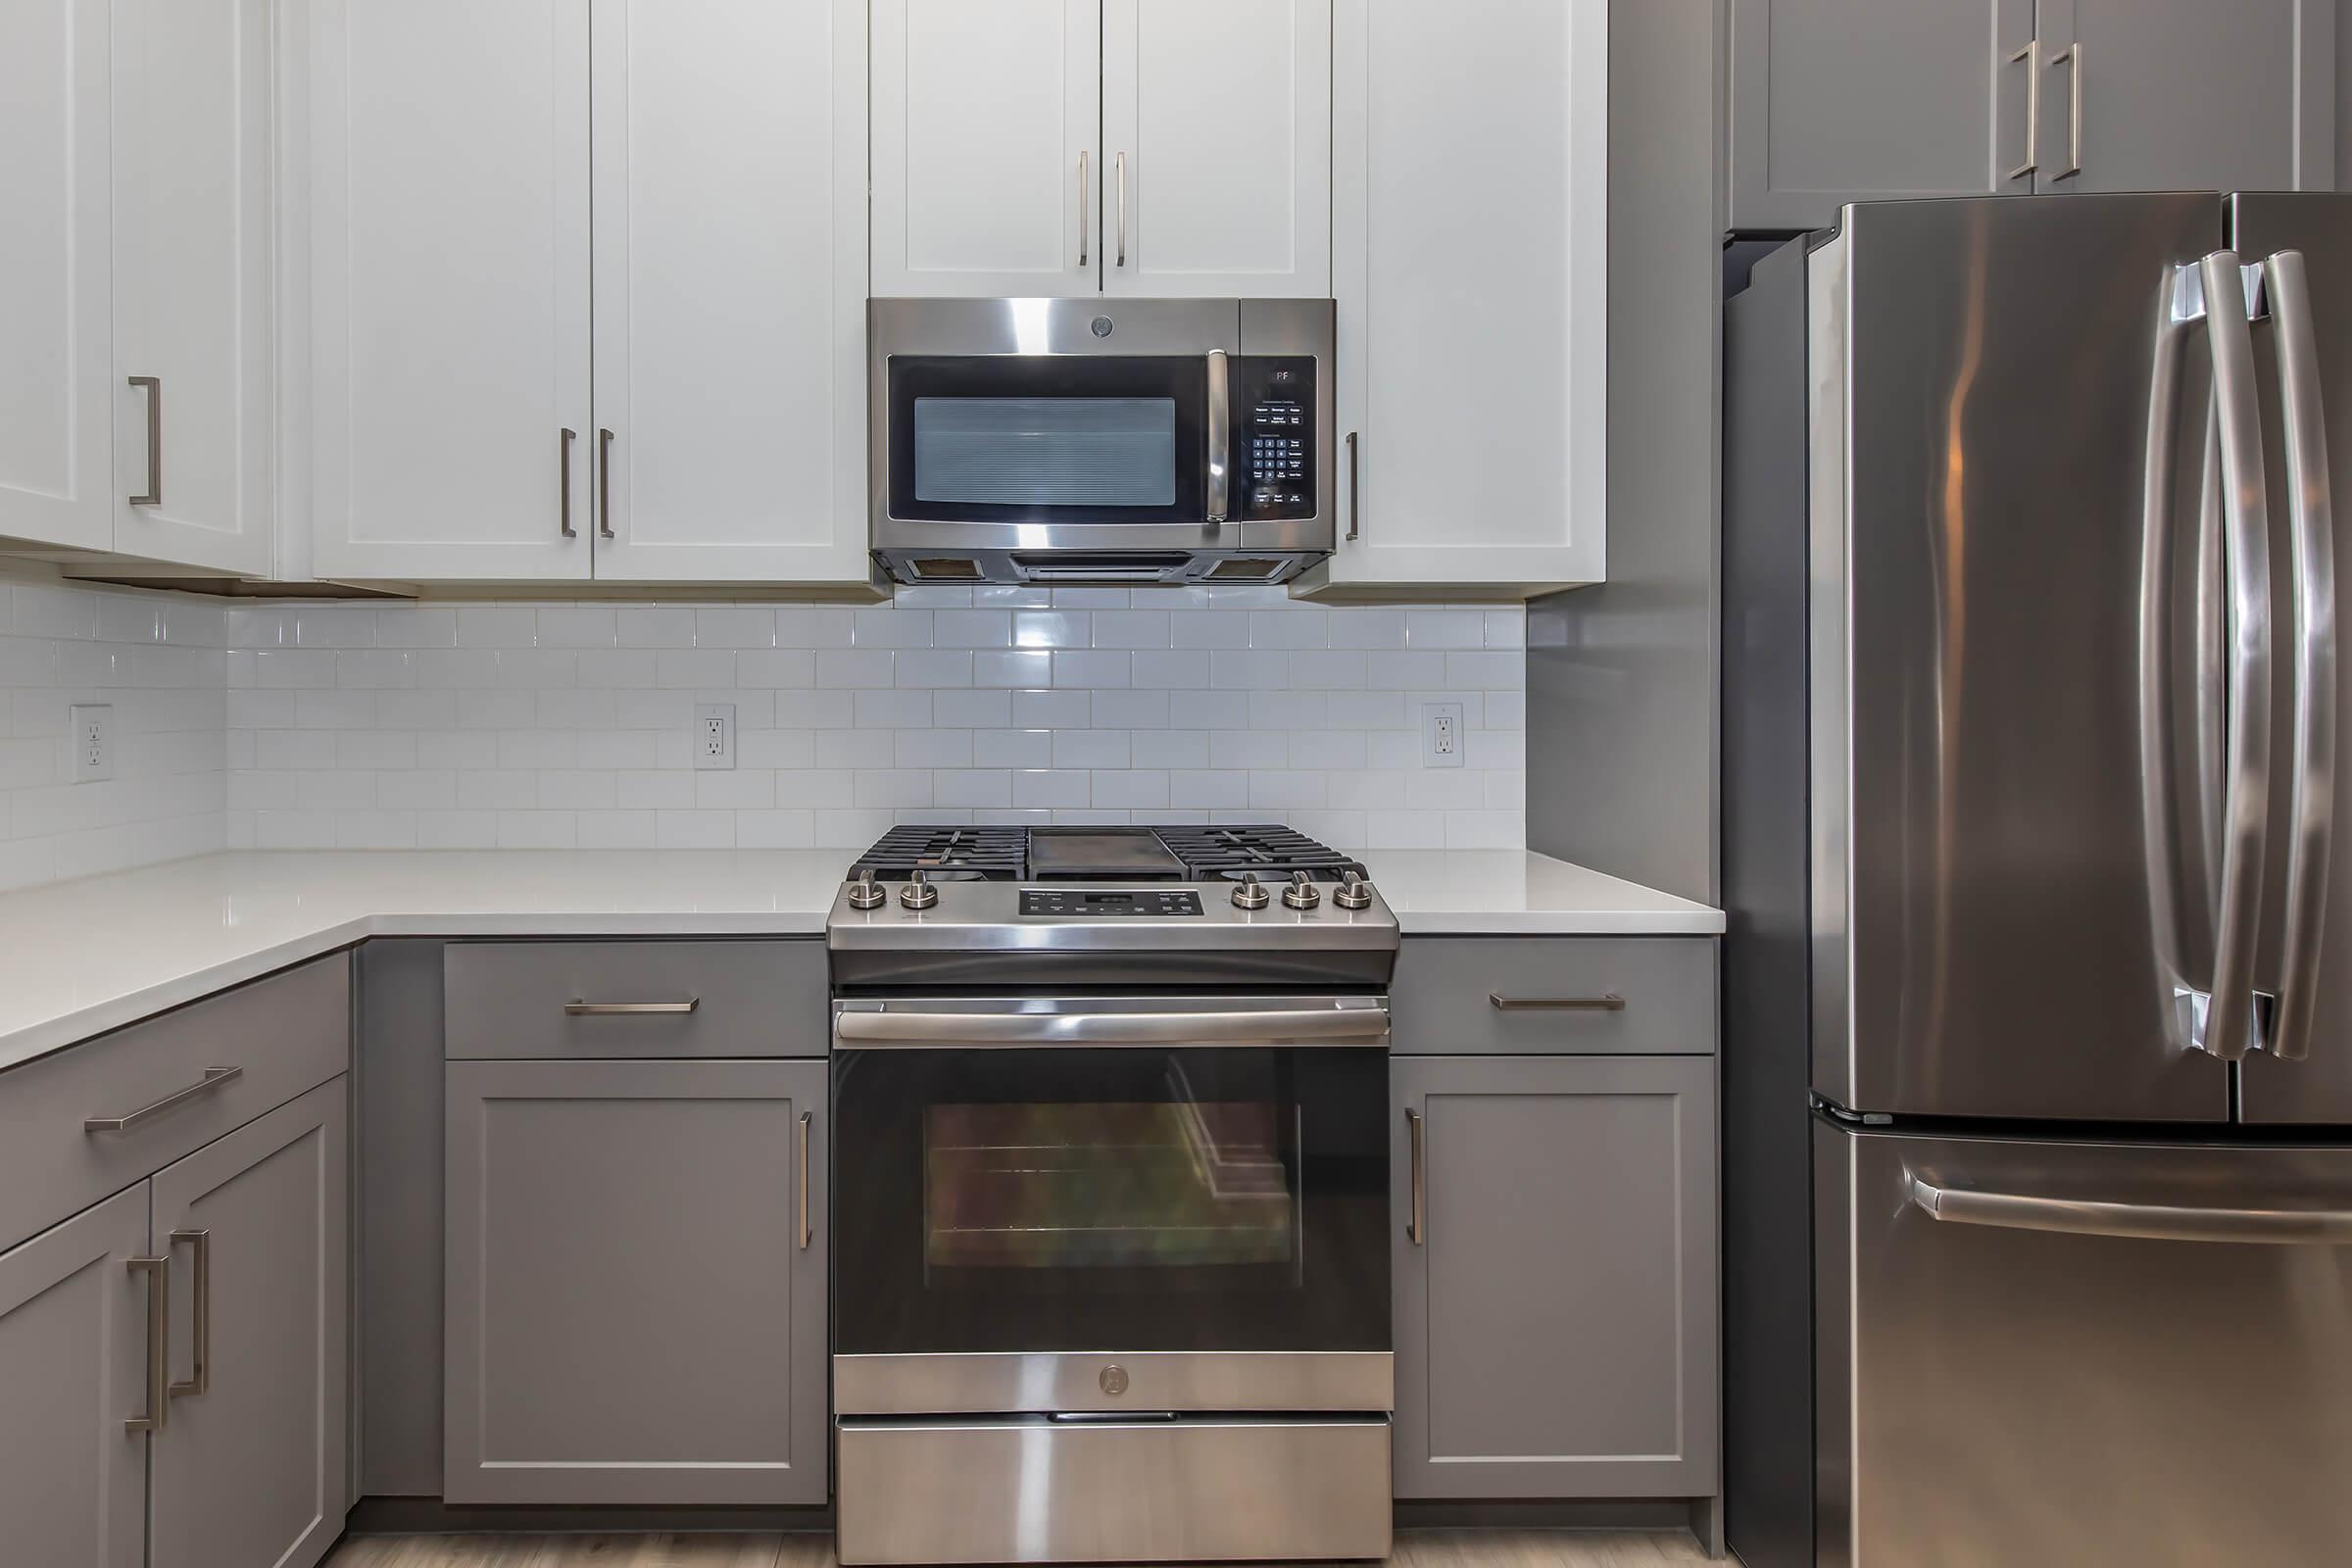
x: 2162, y: 1222
x: 2311, y: 529
x: 2214, y: 289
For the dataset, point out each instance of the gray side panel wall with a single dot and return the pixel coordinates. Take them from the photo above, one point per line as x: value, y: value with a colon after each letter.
x: 400, y: 1219
x: 1768, y: 1361
x: 1621, y: 676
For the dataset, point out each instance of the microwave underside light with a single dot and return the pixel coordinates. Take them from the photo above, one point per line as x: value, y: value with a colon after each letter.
x: 1169, y: 567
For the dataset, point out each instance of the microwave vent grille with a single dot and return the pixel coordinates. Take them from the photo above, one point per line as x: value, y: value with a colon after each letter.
x: 1240, y: 569
x: 947, y: 569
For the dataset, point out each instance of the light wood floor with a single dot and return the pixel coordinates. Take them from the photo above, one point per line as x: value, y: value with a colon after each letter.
x: 1416, y: 1549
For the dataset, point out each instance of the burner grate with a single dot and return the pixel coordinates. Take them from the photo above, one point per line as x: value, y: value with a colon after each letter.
x: 1268, y: 849
x: 991, y: 853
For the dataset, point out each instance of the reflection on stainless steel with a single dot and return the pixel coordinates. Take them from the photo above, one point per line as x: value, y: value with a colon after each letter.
x: 1157, y: 1380
x: 1034, y: 1490
x: 2057, y: 1368
x: 1189, y: 1021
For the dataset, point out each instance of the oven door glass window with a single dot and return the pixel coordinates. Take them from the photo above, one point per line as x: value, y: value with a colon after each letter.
x: 1131, y: 1198
x: 1019, y: 438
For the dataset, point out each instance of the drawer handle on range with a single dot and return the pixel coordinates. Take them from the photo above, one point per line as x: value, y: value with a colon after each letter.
x: 214, y: 1078
x: 1416, y: 1227
x: 1316, y: 1026
x: 1609, y: 1001
x: 159, y: 1342
x: 806, y: 1118
x: 200, y: 1315
x: 628, y: 1009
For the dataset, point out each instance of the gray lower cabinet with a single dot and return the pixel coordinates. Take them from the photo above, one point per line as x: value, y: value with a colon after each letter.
x: 73, y: 1369
x: 635, y: 1297
x: 1556, y: 1278
x: 251, y: 1469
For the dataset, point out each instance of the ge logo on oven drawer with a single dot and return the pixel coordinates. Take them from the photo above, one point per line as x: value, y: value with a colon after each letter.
x: 1114, y: 1380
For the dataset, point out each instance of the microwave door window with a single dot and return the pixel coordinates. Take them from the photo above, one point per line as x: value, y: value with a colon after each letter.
x: 1053, y: 454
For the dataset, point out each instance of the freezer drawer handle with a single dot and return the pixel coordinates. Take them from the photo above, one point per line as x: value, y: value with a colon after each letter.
x: 2160, y: 1222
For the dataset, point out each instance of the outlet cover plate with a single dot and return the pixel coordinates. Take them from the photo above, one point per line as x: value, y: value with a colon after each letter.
x: 92, y: 728
x: 715, y: 735
x: 1442, y: 735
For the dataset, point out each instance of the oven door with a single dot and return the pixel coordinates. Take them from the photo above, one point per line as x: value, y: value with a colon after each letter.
x: 1131, y: 1204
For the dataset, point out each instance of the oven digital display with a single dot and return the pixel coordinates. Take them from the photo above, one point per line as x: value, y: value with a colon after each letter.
x: 1089, y: 903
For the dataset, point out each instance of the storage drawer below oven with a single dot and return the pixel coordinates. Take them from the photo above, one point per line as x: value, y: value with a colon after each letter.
x: 1030, y: 1488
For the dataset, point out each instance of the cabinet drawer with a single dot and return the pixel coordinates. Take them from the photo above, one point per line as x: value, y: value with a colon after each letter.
x: 1559, y: 995
x: 516, y: 1000
x: 285, y: 1034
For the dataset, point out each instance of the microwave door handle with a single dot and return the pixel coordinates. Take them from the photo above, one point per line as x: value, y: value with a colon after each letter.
x: 2311, y: 528
x: 1220, y: 436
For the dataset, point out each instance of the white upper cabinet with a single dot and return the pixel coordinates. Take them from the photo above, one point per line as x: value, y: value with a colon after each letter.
x: 988, y: 171
x: 193, y: 338
x: 730, y: 289
x: 449, y: 279
x: 1216, y: 127
x: 55, y: 475
x: 1470, y: 266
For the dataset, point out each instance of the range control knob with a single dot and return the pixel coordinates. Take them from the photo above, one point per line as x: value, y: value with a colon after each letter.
x: 1250, y: 894
x: 917, y: 894
x: 1302, y: 893
x: 1353, y: 893
x: 865, y: 893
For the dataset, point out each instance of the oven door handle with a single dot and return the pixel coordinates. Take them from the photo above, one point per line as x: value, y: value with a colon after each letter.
x: 1266, y: 1026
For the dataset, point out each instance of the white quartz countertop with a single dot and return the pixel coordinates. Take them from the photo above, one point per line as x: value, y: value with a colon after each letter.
x: 80, y: 958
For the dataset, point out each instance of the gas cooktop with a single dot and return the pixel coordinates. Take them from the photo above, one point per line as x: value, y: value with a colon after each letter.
x: 1268, y: 852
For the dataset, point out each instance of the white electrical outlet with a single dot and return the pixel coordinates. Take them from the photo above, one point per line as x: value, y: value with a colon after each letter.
x: 1440, y: 734
x: 715, y: 735
x: 93, y: 731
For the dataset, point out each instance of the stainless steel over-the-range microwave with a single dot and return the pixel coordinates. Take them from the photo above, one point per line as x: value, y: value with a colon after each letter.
x: 1100, y: 440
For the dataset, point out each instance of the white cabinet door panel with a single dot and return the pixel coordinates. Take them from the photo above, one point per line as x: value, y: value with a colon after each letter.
x: 450, y: 289
x: 730, y: 289
x: 1217, y: 116
x: 1470, y: 195
x: 56, y: 448
x: 983, y: 112
x: 192, y: 280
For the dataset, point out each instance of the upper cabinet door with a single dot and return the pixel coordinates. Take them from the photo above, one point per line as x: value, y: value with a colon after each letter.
x: 56, y: 449
x: 988, y: 175
x: 192, y: 282
x: 2187, y: 95
x: 450, y: 289
x: 1216, y: 130
x: 1836, y: 101
x: 731, y: 290
x: 1470, y: 199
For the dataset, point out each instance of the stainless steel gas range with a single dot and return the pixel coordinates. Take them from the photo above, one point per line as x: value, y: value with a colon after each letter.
x: 1111, y: 1163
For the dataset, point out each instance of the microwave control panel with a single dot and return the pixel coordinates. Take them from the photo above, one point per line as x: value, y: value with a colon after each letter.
x: 1273, y: 436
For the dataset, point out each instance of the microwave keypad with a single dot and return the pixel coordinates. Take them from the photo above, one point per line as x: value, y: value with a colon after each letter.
x: 1275, y: 401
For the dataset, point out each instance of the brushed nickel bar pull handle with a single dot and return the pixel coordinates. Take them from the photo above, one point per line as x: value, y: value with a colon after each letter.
x: 1221, y: 437
x: 629, y: 1010
x: 214, y: 1078
x: 2071, y: 55
x: 1607, y: 1002
x: 2164, y: 1222
x: 159, y: 1342
x: 564, y: 482
x: 2030, y: 54
x: 808, y: 1117
x: 1355, y: 490
x: 201, y: 1315
x: 1122, y: 209
x: 604, y: 483
x: 1082, y: 212
x: 1416, y: 1225
x: 1303, y: 1027
x: 154, y: 441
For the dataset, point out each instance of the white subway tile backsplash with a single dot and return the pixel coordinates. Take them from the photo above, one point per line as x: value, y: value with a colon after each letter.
x: 1051, y: 788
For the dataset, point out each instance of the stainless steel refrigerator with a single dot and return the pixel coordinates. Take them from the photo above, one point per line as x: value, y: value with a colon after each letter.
x: 2038, y: 1015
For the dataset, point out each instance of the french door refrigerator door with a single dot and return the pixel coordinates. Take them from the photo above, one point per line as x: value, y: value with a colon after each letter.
x: 2005, y: 920
x: 2083, y: 1354
x: 2303, y: 1075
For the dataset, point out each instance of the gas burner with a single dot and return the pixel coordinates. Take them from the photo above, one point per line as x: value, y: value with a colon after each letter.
x: 1187, y: 853
x: 1268, y: 850
x: 947, y: 854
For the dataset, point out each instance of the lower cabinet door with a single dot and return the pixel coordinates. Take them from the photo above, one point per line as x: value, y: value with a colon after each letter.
x: 1556, y: 1276
x: 73, y: 1369
x: 636, y: 1282
x: 250, y: 1469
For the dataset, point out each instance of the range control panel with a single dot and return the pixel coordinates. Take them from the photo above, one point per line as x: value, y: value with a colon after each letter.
x: 1274, y: 436
x: 1085, y: 903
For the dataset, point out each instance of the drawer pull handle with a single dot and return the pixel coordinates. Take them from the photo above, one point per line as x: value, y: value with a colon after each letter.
x: 1608, y: 1002
x: 201, y: 1314
x: 214, y: 1078
x: 629, y: 1010
x: 1416, y: 1224
x: 158, y: 1271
